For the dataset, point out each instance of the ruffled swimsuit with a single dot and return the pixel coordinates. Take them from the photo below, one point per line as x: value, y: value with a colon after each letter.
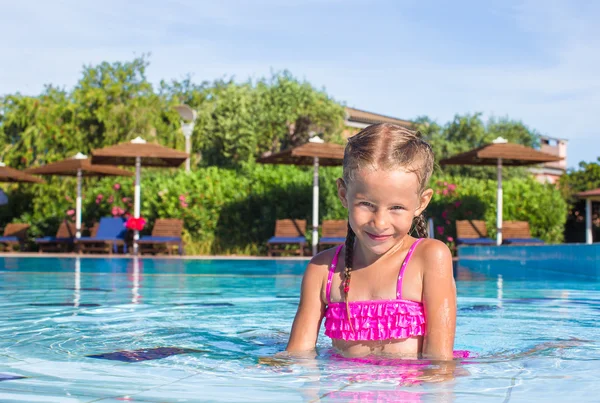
x: 374, y: 320
x: 377, y: 320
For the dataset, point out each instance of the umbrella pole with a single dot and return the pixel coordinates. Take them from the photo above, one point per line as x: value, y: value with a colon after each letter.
x: 78, y: 206
x: 136, y: 204
x: 499, y: 201
x: 315, y: 231
x: 588, y: 221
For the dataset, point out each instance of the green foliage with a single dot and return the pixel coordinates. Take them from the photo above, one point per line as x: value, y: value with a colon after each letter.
x: 229, y: 203
x: 466, y: 132
x: 459, y: 198
x: 587, y: 177
x: 233, y: 211
x: 239, y: 122
x: 112, y: 103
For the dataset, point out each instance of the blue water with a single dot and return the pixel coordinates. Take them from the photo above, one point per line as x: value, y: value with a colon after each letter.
x: 151, y: 330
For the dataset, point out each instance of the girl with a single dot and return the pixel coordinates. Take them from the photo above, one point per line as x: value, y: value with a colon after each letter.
x: 384, y: 292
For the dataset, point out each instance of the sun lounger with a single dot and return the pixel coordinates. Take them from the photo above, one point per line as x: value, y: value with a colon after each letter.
x: 166, y: 235
x: 14, y: 234
x: 288, y: 232
x: 472, y: 232
x: 518, y: 233
x: 333, y: 232
x: 61, y: 242
x: 109, y: 236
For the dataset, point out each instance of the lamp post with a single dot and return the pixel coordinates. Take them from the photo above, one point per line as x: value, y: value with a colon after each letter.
x: 188, y: 117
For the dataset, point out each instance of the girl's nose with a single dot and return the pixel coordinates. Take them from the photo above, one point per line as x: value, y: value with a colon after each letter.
x: 380, y: 219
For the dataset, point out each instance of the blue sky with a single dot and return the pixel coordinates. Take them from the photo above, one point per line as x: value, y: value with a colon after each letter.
x: 535, y: 61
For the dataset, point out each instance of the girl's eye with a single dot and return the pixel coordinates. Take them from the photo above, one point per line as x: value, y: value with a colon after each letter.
x: 364, y: 203
x: 398, y: 208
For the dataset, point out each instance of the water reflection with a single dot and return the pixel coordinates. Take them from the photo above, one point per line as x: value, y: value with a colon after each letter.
x: 77, y: 284
x: 499, y: 286
x: 135, y: 280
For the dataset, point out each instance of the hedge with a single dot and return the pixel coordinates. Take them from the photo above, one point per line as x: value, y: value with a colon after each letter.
x: 229, y: 211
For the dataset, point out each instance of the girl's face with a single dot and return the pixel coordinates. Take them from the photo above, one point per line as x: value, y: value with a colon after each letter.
x: 381, y: 206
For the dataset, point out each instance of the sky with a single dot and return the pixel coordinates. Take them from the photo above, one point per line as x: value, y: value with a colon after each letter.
x: 530, y: 60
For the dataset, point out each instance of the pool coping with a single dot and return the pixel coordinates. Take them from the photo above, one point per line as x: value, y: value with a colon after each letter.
x: 130, y: 256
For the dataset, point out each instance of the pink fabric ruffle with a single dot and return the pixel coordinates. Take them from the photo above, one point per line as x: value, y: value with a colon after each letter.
x: 375, y: 320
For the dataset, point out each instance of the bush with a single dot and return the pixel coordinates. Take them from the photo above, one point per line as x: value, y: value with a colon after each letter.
x: 228, y: 211
x: 459, y: 198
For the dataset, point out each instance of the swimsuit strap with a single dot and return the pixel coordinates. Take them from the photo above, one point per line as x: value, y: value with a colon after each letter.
x: 403, y: 268
x: 331, y: 271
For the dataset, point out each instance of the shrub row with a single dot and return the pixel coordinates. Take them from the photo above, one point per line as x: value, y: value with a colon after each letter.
x: 230, y: 211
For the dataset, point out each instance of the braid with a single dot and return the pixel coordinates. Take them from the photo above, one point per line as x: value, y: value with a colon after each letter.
x: 420, y: 225
x: 350, y: 237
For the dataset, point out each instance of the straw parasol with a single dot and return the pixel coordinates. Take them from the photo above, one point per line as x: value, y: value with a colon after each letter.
x: 78, y: 166
x: 500, y: 153
x: 134, y: 153
x: 316, y: 152
x: 589, y: 196
x: 8, y: 174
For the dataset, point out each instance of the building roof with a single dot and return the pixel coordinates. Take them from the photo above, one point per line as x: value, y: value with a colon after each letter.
x: 360, y: 116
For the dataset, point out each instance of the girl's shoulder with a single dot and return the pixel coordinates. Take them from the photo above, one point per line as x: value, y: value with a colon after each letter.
x: 324, y: 258
x: 432, y: 254
x: 317, y: 271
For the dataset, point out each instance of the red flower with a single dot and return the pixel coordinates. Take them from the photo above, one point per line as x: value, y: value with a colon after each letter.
x: 136, y: 224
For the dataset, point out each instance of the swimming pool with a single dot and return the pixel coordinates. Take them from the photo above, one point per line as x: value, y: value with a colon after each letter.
x: 152, y: 330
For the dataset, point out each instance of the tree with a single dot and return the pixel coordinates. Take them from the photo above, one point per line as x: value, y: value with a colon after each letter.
x: 466, y: 132
x: 587, y: 177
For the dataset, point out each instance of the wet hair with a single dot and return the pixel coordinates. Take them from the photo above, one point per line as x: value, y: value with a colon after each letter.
x: 388, y: 147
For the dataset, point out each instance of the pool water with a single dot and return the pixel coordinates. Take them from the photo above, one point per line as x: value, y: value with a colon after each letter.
x: 152, y: 330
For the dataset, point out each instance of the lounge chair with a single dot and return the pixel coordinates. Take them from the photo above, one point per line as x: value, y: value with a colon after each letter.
x: 472, y: 232
x: 518, y: 233
x: 288, y: 232
x: 166, y: 235
x: 333, y: 233
x: 61, y: 242
x: 109, y: 236
x: 14, y: 234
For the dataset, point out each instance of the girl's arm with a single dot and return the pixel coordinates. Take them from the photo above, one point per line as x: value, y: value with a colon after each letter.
x: 311, y: 309
x: 439, y: 300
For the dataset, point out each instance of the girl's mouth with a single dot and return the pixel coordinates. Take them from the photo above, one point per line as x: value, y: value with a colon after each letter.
x: 378, y: 237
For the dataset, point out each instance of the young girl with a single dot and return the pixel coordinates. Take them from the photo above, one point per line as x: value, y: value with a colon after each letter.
x: 384, y: 292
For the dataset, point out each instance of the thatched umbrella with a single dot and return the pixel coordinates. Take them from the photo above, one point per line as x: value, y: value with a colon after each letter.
x: 134, y: 153
x: 316, y: 152
x: 78, y: 166
x: 8, y: 174
x: 589, y: 196
x: 500, y: 153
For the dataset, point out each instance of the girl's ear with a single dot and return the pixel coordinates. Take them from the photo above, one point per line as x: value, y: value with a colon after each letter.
x: 342, y: 192
x: 424, y: 201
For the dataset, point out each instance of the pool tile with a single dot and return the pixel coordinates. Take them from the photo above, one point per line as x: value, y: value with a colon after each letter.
x: 144, y: 354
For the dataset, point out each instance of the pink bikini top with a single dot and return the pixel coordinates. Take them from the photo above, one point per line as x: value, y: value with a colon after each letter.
x: 374, y: 320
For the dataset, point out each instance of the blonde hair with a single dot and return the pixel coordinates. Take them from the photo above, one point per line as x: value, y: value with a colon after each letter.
x: 386, y: 146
